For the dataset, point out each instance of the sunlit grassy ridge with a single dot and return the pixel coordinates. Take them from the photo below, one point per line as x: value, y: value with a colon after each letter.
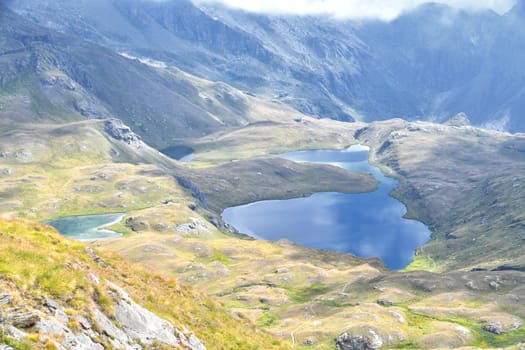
x: 35, y: 260
x: 49, y: 171
x: 302, y: 294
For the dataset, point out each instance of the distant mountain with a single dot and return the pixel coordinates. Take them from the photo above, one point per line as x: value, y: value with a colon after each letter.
x: 447, y: 61
x: 431, y: 63
x: 50, y: 77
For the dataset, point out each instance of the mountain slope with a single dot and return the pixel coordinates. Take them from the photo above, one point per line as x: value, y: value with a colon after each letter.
x: 58, y: 294
x: 55, y: 77
x: 465, y: 183
x: 51, y: 77
x: 431, y: 63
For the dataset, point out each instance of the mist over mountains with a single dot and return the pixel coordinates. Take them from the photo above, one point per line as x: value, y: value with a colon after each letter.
x: 430, y: 63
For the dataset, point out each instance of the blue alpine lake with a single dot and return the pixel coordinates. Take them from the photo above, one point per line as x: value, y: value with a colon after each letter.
x: 88, y: 227
x: 366, y: 225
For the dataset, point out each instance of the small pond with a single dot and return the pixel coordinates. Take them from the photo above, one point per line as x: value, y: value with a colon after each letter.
x: 88, y: 227
x: 180, y: 153
x: 367, y: 224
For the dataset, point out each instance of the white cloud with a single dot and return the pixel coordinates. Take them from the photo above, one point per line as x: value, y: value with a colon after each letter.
x: 381, y: 9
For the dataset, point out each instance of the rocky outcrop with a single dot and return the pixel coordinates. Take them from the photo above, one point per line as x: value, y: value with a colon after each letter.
x: 195, y: 190
x: 142, y: 324
x: 5, y: 299
x: 6, y: 347
x: 24, y: 319
x: 90, y: 109
x: 129, y: 327
x: 195, y: 227
x: 501, y: 323
x: 347, y: 341
x: 121, y: 132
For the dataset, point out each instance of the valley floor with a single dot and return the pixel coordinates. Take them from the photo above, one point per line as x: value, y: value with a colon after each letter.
x: 304, y: 298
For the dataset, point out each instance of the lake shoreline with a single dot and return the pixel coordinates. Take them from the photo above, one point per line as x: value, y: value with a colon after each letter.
x: 88, y: 228
x: 333, y: 220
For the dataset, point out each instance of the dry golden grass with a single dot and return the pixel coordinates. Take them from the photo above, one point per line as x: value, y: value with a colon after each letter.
x: 40, y: 262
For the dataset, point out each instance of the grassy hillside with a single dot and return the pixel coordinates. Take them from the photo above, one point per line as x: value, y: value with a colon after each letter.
x: 59, y: 170
x: 307, y: 296
x: 36, y: 262
x: 465, y: 183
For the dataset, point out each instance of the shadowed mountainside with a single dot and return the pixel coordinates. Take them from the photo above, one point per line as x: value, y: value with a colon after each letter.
x: 430, y: 63
x: 51, y: 77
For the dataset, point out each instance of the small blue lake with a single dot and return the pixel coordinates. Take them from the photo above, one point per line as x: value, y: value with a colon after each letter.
x: 88, y: 227
x: 366, y: 225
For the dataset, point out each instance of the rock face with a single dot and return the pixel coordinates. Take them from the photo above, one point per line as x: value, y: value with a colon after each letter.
x: 131, y: 327
x: 119, y: 131
x: 24, y: 319
x: 348, y: 341
x: 5, y: 299
x: 142, y: 324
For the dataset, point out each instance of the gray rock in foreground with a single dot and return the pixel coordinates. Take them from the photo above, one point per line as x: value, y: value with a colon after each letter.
x: 348, y: 341
x: 132, y: 327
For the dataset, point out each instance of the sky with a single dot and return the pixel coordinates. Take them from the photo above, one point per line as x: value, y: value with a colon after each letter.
x: 356, y: 9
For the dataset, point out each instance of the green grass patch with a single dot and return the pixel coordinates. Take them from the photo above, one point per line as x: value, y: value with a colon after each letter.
x: 419, y: 321
x: 219, y: 256
x: 405, y: 344
x: 120, y: 228
x: 488, y: 339
x: 423, y: 263
x: 483, y: 338
x: 267, y: 320
x: 16, y: 344
x: 304, y: 295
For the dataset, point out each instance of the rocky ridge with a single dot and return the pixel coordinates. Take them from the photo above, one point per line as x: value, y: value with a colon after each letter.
x: 28, y: 316
x: 60, y: 294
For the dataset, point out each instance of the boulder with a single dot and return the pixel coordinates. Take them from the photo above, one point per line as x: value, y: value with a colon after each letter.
x: 309, y: 341
x: 119, y: 131
x: 5, y: 299
x: 348, y: 341
x: 385, y: 301
x: 501, y: 323
x: 24, y: 319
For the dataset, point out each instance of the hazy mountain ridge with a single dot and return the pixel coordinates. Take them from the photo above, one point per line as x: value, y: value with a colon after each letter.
x: 65, y: 78
x: 47, y: 76
x: 431, y: 63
